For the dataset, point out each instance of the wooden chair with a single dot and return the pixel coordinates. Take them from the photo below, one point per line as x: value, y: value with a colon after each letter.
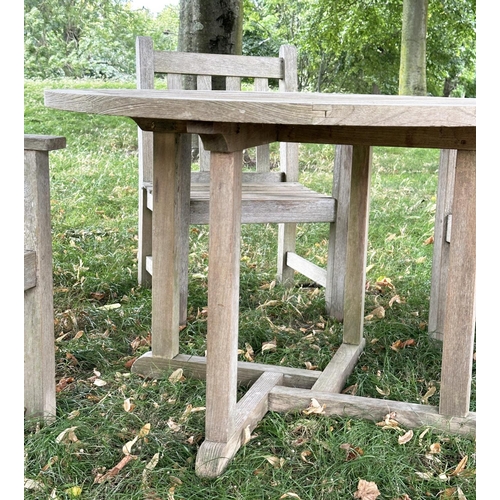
x: 268, y: 197
x: 39, y: 351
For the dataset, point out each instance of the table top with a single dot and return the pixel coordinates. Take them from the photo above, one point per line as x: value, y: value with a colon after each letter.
x: 287, y: 110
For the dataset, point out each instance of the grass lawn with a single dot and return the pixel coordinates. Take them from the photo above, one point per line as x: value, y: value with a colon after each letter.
x: 102, y: 322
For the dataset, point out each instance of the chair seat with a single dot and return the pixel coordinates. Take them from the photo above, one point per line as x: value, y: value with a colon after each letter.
x: 265, y: 203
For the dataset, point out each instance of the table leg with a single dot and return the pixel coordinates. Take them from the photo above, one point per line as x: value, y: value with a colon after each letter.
x: 168, y: 195
x: 223, y: 298
x: 459, y: 314
x: 357, y: 240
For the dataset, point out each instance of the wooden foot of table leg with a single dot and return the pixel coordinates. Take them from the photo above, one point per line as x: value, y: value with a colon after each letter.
x: 213, y: 457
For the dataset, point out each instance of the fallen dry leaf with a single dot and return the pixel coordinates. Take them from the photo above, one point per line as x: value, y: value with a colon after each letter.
x: 379, y: 312
x: 127, y: 447
x: 435, y: 448
x: 382, y: 392
x: 176, y: 376
x: 128, y: 406
x: 401, y: 344
x: 269, y: 346
x: 352, y: 452
x: 352, y: 390
x: 153, y: 462
x: 100, y: 478
x: 460, y: 467
x: 276, y: 462
x: 367, y: 490
x: 64, y: 382
x: 428, y: 394
x: 67, y: 436
x: 405, y: 438
x: 396, y: 299
x: 290, y: 494
x: 424, y: 475
x: 314, y: 407
x: 173, y: 425
x: 389, y: 421
x: 144, y: 430
x: 304, y: 455
x: 429, y: 241
x: 249, y: 353
x: 310, y: 366
x: 33, y: 484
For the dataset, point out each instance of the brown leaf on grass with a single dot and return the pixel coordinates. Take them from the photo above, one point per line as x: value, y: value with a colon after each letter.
x: 177, y: 376
x: 383, y: 392
x: 71, y: 358
x: 63, y: 383
x: 67, y: 436
x: 428, y: 394
x: 314, y: 407
x: 401, y: 344
x: 379, y: 312
x: 304, y: 455
x: 128, y: 406
x: 429, y: 241
x: 352, y: 452
x: 389, y: 421
x: 396, y: 299
x: 130, y: 362
x: 100, y: 478
x: 460, y: 467
x: 127, y: 447
x: 310, y: 366
x: 367, y: 490
x: 145, y: 429
x: 276, y: 462
x: 249, y: 353
x: 290, y: 494
x: 435, y: 448
x: 173, y: 425
x: 384, y: 282
x: 352, y: 390
x: 405, y: 438
x: 270, y: 345
x: 453, y: 492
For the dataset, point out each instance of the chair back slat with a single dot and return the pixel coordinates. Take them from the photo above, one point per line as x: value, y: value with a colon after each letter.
x: 193, y: 63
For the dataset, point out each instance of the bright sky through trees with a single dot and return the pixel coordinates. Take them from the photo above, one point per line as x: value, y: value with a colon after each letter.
x: 152, y: 5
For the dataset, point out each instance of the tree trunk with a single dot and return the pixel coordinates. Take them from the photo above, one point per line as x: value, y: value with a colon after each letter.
x: 412, y: 75
x: 212, y: 27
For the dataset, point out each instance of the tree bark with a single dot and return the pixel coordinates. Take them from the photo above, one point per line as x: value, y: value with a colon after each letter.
x: 412, y: 69
x: 211, y: 27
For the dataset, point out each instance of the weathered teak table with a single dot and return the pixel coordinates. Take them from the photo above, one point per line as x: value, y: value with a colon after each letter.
x: 229, y: 122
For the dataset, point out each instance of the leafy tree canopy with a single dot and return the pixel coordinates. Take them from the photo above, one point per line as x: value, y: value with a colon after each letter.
x: 348, y: 46
x: 90, y: 38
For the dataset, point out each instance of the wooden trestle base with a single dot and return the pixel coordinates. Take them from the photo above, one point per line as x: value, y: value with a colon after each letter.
x: 282, y: 389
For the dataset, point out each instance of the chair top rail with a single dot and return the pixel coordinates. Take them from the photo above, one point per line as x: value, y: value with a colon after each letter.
x: 187, y: 63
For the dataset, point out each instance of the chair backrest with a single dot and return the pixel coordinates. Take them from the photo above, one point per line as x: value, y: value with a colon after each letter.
x: 203, y: 67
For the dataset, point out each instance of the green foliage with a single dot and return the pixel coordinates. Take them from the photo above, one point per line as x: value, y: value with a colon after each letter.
x: 343, y: 46
x: 89, y: 38
x: 354, y: 46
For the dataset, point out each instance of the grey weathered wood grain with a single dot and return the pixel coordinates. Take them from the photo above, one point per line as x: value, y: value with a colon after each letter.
x: 39, y: 350
x: 409, y: 415
x: 459, y: 315
x: 357, y: 241
x: 223, y: 294
x: 441, y: 250
x: 196, y: 367
x: 284, y: 108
